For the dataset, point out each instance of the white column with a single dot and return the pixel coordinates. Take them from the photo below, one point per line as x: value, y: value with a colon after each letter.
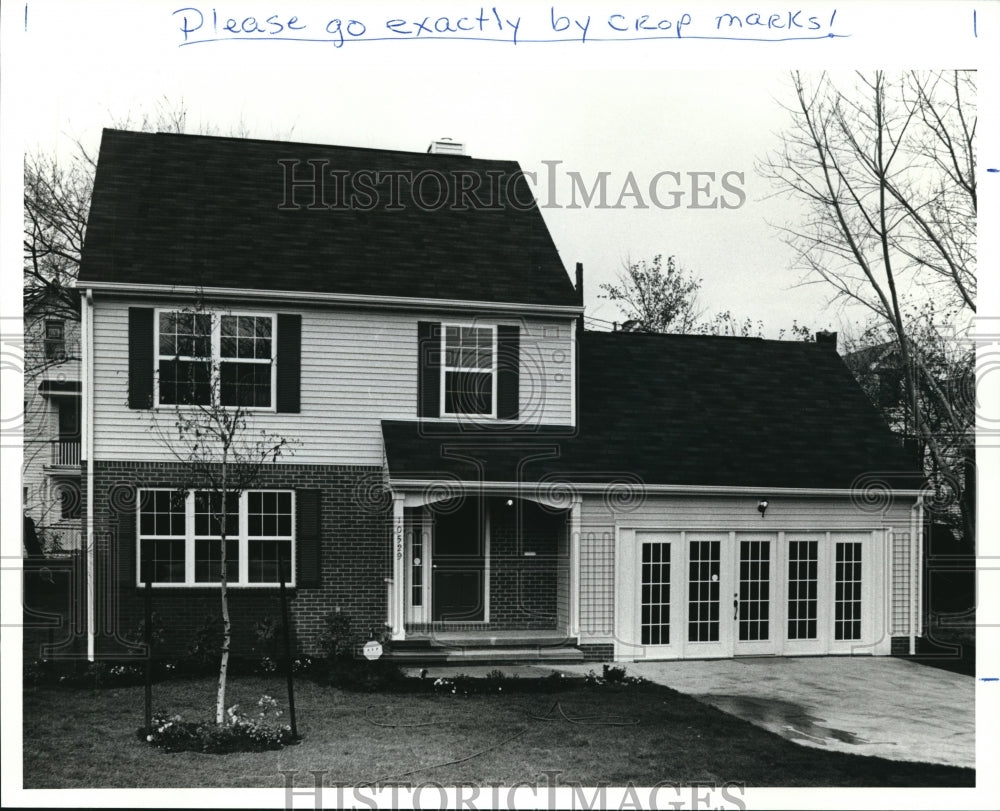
x: 920, y: 566
x: 398, y: 570
x: 574, y: 569
x: 914, y: 597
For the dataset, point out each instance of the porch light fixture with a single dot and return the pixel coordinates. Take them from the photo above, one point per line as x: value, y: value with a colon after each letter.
x: 762, y: 506
x: 510, y: 502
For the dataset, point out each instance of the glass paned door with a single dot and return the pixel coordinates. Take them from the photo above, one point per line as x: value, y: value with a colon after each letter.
x: 753, y: 594
x: 655, y: 593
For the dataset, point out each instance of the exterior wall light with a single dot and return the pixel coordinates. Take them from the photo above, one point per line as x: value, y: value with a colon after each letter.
x: 762, y: 506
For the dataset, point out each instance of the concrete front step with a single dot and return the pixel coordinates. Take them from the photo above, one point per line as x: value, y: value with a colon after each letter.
x: 487, y: 639
x: 437, y: 654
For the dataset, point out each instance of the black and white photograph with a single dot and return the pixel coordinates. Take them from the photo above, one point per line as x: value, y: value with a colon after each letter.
x: 500, y: 406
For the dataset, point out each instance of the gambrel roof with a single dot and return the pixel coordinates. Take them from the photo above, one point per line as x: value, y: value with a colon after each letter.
x: 683, y: 410
x: 184, y: 209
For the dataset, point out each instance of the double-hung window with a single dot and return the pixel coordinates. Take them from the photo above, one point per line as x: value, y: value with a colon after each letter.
x: 230, y: 355
x: 468, y: 373
x: 185, y: 358
x: 180, y: 537
x: 55, y: 339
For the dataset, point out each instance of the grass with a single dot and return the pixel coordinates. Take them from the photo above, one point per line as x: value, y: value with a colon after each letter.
x: 85, y: 737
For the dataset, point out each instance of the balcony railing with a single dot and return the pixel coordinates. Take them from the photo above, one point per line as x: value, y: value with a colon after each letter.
x: 66, y: 452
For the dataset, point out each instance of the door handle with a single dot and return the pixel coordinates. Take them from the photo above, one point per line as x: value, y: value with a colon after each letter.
x: 736, y: 605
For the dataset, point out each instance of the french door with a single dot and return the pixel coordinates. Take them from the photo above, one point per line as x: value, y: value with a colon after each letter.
x: 702, y: 594
x: 754, y: 611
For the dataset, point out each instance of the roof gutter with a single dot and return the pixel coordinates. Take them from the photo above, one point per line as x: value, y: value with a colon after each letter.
x: 560, y: 487
x: 351, y: 299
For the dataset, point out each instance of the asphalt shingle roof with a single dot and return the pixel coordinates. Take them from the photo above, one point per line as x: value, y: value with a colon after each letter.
x: 685, y: 410
x: 206, y: 211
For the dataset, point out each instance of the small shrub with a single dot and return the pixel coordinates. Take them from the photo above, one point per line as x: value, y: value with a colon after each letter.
x: 206, y: 642
x: 613, y: 676
x: 337, y: 638
x: 158, y: 632
x: 267, y: 632
x: 362, y: 675
x: 266, y: 665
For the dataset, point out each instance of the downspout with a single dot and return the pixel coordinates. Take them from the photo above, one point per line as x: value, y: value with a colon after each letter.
x: 576, y: 336
x: 87, y: 337
x: 920, y: 566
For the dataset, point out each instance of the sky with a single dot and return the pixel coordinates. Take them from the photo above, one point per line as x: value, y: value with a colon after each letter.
x: 591, y: 103
x: 554, y: 124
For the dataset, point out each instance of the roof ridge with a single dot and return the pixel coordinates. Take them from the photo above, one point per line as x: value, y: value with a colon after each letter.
x: 696, y: 336
x: 278, y: 142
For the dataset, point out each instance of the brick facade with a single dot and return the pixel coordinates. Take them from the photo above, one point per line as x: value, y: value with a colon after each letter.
x: 900, y: 646
x: 355, y: 522
x: 355, y: 562
x: 598, y: 653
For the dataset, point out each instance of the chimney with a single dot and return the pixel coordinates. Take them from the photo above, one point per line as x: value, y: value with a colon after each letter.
x: 826, y: 337
x: 579, y: 281
x: 446, y: 146
x: 914, y: 452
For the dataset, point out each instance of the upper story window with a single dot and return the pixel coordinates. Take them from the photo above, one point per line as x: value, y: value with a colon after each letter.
x: 468, y: 383
x: 55, y: 339
x: 468, y: 370
x: 183, y: 357
x: 232, y: 354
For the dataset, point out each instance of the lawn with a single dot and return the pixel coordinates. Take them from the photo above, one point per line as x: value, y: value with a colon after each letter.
x: 85, y: 737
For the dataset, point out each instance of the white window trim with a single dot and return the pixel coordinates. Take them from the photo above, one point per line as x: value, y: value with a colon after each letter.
x: 445, y: 368
x: 190, y: 537
x: 216, y: 358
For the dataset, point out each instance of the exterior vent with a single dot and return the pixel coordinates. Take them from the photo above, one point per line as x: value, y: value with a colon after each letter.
x: 446, y: 146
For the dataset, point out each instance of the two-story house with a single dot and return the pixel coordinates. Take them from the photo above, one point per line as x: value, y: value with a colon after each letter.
x: 470, y: 468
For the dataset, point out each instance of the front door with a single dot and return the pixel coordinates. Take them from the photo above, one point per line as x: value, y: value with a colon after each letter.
x: 458, y: 568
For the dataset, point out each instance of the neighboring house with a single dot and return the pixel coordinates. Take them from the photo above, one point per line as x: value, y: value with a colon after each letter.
x: 880, y: 373
x: 473, y: 471
x: 50, y: 476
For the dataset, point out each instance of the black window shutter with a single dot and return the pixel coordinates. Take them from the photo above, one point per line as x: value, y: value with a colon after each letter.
x: 125, y: 552
x: 508, y: 364
x: 289, y: 360
x: 308, y: 535
x: 429, y: 369
x: 140, y: 357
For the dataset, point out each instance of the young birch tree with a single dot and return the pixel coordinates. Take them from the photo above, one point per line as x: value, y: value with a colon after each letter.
x: 213, y: 435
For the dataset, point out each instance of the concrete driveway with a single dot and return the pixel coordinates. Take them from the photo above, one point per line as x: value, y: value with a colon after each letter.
x: 878, y: 706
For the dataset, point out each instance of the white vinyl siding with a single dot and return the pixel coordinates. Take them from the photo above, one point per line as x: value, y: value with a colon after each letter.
x: 358, y: 368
